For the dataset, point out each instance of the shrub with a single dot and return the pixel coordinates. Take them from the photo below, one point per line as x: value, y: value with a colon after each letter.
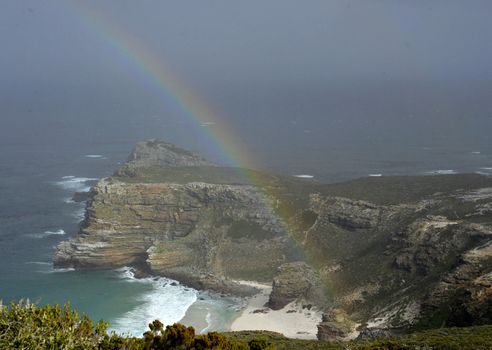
x: 26, y: 326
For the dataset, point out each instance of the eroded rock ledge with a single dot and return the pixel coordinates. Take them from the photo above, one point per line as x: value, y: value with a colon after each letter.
x: 183, y: 231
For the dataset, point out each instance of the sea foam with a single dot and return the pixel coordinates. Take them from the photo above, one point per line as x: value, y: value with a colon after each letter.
x: 487, y: 171
x: 75, y: 184
x: 442, y: 172
x: 79, y: 213
x: 304, y: 176
x: 47, y: 267
x: 167, y: 301
x: 48, y: 233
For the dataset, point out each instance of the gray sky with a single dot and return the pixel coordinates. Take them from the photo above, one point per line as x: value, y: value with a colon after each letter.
x: 237, y: 40
x: 338, y: 70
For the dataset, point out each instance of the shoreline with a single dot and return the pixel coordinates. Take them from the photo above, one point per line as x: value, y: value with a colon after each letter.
x: 293, y: 321
x: 209, y: 313
x: 212, y: 312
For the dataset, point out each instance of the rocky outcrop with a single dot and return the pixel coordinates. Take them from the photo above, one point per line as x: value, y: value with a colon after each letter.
x: 347, y: 213
x: 155, y: 153
x: 80, y: 197
x: 464, y: 295
x: 336, y: 325
x: 295, y: 281
x: 186, y: 231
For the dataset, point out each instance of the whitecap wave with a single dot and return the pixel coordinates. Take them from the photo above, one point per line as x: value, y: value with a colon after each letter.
x: 484, y: 171
x: 304, y: 176
x: 75, y: 184
x: 475, y: 152
x: 94, y: 156
x: 61, y: 269
x: 57, y: 232
x: 41, y: 266
x: 43, y: 263
x: 48, y: 233
x: 47, y: 267
x: 442, y: 172
x: 167, y: 301
x: 375, y: 175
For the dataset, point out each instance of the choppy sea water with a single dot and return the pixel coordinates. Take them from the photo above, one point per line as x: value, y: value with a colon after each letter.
x: 36, y: 213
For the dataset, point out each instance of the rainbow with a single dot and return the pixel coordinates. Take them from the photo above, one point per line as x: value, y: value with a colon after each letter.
x: 157, y: 74
x: 142, y: 61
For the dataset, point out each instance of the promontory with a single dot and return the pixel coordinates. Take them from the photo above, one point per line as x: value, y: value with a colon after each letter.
x: 378, y: 255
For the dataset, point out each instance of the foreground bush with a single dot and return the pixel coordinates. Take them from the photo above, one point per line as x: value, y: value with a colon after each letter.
x: 26, y: 326
x: 178, y: 336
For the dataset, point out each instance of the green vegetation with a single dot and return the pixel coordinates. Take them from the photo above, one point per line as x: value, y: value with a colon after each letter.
x: 387, y: 190
x: 182, y: 175
x: 468, y: 338
x: 246, y: 229
x: 26, y: 326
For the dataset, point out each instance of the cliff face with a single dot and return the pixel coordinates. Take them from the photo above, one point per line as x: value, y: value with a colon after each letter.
x: 386, y: 253
x: 421, y: 264
x: 196, y: 232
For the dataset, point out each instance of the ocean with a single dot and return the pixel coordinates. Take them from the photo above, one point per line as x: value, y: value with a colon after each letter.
x: 36, y: 213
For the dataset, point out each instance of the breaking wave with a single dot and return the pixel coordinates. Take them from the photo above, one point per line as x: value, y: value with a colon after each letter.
x: 49, y: 233
x: 167, y: 301
x: 76, y: 184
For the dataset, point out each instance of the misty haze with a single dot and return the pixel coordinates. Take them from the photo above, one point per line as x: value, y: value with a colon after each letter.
x: 319, y: 169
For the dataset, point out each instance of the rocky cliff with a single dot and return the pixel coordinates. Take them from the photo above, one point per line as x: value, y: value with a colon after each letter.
x: 379, y: 254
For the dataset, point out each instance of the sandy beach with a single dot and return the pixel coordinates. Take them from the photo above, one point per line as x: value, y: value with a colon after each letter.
x: 212, y: 312
x: 293, y: 321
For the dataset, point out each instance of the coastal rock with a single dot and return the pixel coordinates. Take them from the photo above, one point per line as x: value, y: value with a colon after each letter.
x: 80, y: 196
x: 295, y: 280
x: 336, y: 325
x: 191, y: 232
x: 155, y: 153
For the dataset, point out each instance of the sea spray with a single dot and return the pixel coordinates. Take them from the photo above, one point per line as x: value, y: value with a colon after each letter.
x: 45, y: 234
x: 76, y: 184
x: 166, y: 300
